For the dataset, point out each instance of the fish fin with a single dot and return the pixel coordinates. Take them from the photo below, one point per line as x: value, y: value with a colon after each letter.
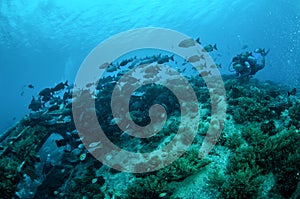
x: 198, y: 40
x: 215, y: 47
x: 266, y: 52
x: 172, y: 58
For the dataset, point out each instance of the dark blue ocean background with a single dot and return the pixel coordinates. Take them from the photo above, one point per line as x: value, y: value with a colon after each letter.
x: 43, y: 42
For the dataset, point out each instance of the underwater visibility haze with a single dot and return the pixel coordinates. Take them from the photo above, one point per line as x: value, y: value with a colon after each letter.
x: 238, y: 92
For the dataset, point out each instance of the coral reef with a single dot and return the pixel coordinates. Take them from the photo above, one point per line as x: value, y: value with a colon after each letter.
x: 261, y: 137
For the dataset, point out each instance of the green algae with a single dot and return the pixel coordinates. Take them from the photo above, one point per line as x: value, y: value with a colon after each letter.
x: 150, y: 186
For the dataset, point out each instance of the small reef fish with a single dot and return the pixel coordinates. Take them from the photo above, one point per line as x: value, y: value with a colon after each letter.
x: 202, y: 66
x: 88, y: 85
x: 165, y: 59
x: 125, y: 62
x: 30, y: 86
x: 148, y: 61
x: 112, y: 68
x: 194, y: 58
x: 205, y: 73
x: 156, y: 58
x: 53, y: 108
x: 244, y: 47
x: 213, y: 66
x: 46, y: 94
x: 35, y: 104
x: 187, y: 43
x: 103, y: 66
x: 60, y: 86
x: 210, y: 48
x: 67, y: 95
x: 216, y: 66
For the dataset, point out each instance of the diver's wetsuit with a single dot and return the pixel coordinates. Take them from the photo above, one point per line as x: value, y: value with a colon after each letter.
x: 248, y: 64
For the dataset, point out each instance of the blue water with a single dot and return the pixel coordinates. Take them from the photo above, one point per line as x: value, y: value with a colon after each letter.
x: 44, y: 42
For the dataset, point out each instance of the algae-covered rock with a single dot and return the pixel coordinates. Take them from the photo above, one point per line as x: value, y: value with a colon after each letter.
x: 150, y: 186
x: 9, y: 177
x: 251, y: 163
x: 258, y: 150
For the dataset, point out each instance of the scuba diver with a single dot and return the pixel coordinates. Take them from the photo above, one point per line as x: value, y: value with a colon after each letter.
x: 248, y: 64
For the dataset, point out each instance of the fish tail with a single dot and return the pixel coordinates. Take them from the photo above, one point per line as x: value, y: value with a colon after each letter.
x: 215, y: 47
x: 172, y: 58
x: 267, y: 52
